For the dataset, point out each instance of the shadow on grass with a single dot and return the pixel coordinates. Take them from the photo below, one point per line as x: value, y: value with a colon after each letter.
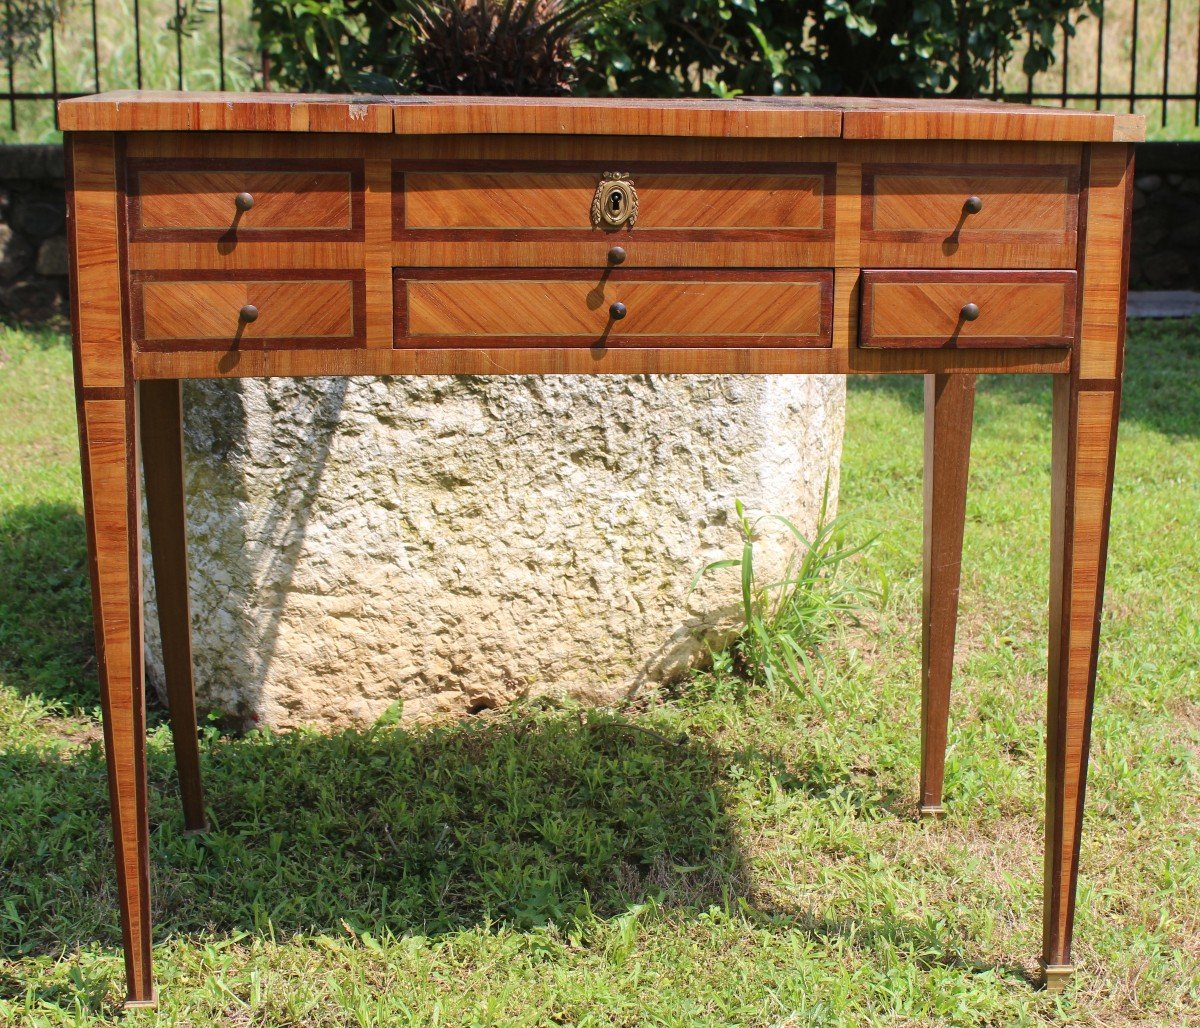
x: 47, y: 646
x: 524, y: 820
x: 1161, y: 391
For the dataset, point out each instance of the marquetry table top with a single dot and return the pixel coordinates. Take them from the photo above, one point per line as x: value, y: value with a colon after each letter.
x: 744, y: 117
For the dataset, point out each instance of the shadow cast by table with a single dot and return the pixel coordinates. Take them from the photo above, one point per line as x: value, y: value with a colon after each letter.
x: 523, y: 820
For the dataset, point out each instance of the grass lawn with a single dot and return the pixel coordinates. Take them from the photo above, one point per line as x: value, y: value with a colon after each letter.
x: 743, y: 863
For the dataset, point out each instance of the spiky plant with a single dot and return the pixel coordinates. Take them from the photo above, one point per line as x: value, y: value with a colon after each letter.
x: 497, y: 47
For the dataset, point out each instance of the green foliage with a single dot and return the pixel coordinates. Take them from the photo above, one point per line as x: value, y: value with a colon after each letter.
x: 24, y: 24
x: 463, y: 47
x: 663, y: 48
x: 833, y: 47
x: 786, y: 619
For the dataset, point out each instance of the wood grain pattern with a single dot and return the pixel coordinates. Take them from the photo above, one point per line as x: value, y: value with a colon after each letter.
x: 916, y: 216
x: 161, y: 436
x: 919, y: 309
x: 949, y: 410
x: 95, y: 263
x: 144, y: 110
x: 592, y: 252
x: 1086, y: 411
x: 745, y: 117
x: 613, y: 360
x: 172, y: 200
x: 252, y: 255
x: 846, y: 299
x: 183, y: 310
x: 605, y: 116
x: 1105, y: 261
x: 1085, y: 429
x: 983, y: 119
x: 709, y: 308
x: 524, y: 200
x: 848, y: 214
x: 378, y: 254
x: 112, y: 511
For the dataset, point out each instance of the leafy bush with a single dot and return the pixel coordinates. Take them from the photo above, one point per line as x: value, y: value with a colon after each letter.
x: 26, y: 22
x: 834, y: 47
x: 464, y: 47
x: 786, y: 619
x: 662, y: 48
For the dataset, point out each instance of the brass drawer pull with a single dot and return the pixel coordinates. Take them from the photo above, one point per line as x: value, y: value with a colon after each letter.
x: 248, y: 313
x: 616, y: 255
x: 617, y: 311
x: 243, y: 202
x: 970, y: 311
x: 973, y: 205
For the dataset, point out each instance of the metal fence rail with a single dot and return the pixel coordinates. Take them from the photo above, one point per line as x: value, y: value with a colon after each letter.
x: 1185, y: 19
x: 1108, y: 62
x: 110, y: 44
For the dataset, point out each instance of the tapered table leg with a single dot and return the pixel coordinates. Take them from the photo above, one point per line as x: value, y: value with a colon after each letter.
x: 949, y: 410
x: 1085, y: 429
x: 108, y: 437
x: 162, y: 459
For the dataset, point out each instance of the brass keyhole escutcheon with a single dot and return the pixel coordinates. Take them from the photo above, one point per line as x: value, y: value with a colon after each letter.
x: 615, y: 203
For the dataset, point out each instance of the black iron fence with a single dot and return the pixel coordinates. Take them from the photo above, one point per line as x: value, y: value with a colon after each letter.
x: 1141, y: 55
x: 1162, y: 72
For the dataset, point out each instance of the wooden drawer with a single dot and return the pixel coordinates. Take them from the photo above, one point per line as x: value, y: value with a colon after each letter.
x: 199, y: 311
x: 955, y: 216
x: 291, y: 200
x: 530, y: 215
x: 448, y: 308
x: 928, y: 309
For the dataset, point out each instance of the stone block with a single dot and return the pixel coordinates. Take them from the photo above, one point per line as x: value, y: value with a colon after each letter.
x: 33, y: 301
x: 52, y: 258
x: 456, y: 543
x: 15, y: 253
x: 39, y: 215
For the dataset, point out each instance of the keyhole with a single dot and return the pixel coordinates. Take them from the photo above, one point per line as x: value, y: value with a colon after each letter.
x: 615, y: 200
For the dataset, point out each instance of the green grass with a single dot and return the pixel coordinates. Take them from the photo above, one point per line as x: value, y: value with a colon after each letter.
x: 688, y: 860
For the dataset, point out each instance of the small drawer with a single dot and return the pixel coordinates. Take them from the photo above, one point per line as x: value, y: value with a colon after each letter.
x: 255, y: 311
x: 937, y: 216
x: 443, y: 307
x: 962, y: 310
x: 250, y: 200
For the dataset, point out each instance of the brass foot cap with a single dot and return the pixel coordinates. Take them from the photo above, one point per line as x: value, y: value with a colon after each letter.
x: 142, y: 1004
x: 932, y: 812
x: 202, y: 830
x: 1056, y: 976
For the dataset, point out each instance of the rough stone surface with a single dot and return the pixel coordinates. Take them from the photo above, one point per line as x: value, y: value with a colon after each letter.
x: 14, y: 253
x: 52, y: 256
x: 33, y: 251
x: 455, y: 543
x: 39, y: 215
x: 33, y: 301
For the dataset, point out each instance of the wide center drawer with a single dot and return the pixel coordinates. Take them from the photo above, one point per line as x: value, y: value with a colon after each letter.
x: 245, y: 200
x: 668, y: 215
x: 442, y: 307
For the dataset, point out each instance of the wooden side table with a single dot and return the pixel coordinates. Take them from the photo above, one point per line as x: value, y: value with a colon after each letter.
x: 218, y: 235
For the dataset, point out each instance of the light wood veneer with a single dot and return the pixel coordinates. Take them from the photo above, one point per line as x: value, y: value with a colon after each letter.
x: 698, y: 308
x: 924, y: 309
x: 452, y: 236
